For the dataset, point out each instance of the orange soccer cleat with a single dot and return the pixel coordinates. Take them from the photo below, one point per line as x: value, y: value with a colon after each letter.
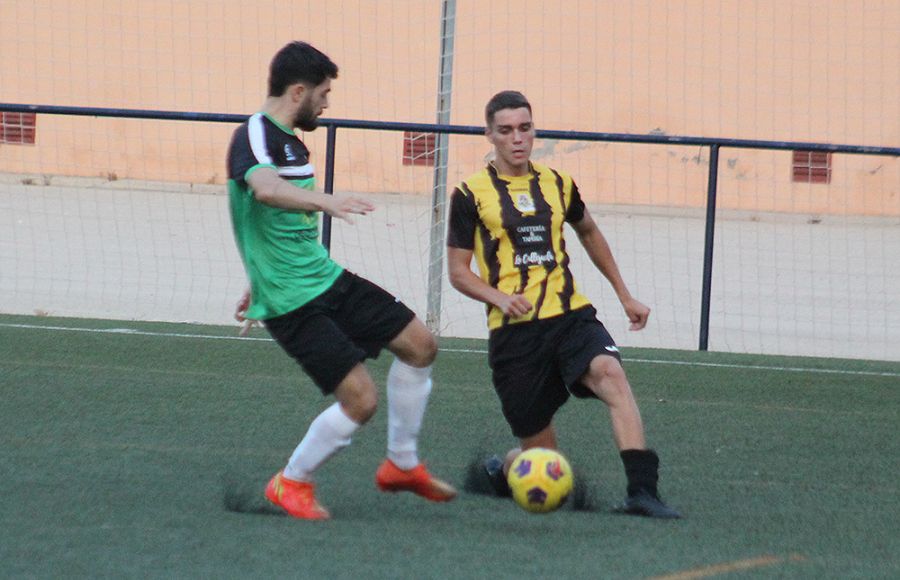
x: 391, y: 478
x: 297, y: 498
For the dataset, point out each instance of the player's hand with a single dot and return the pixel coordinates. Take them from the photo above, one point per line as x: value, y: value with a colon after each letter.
x: 240, y: 313
x: 344, y: 207
x: 514, y: 305
x: 637, y: 313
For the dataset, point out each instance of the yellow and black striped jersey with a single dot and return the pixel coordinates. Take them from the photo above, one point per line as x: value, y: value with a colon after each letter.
x: 514, y: 226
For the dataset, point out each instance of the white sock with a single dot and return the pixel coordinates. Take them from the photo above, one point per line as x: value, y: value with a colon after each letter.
x: 327, y: 434
x: 407, y: 391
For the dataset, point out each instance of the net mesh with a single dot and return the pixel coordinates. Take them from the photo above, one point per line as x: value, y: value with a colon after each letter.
x: 127, y: 218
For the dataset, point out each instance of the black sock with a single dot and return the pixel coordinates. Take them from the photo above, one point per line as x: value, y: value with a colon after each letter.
x: 642, y: 470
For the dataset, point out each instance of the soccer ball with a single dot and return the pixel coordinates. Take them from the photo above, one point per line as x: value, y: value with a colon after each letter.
x: 540, y: 480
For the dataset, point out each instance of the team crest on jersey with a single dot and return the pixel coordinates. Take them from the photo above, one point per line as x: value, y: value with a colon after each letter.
x: 289, y: 153
x: 524, y: 203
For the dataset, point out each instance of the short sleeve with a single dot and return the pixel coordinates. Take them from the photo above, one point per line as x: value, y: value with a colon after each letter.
x: 240, y: 155
x: 463, y: 219
x: 575, y: 209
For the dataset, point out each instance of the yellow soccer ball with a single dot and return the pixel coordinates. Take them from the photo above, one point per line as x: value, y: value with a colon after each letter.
x: 540, y: 480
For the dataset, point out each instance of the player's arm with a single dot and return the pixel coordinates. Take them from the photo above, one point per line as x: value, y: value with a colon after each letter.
x: 598, y: 250
x: 462, y: 278
x: 270, y: 189
x: 460, y: 249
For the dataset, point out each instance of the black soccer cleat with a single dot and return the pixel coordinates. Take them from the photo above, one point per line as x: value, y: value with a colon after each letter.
x: 645, y: 504
x: 493, y: 469
x: 485, y: 477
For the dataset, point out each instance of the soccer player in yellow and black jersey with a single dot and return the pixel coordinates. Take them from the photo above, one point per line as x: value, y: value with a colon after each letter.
x: 545, y: 340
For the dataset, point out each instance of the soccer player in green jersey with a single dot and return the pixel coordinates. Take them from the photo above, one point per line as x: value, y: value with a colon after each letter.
x: 328, y: 319
x: 545, y: 341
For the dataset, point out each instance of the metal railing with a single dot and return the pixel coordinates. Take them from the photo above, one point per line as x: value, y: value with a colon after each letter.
x: 332, y: 125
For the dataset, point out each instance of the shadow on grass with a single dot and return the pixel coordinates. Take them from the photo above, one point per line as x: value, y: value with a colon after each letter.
x: 240, y: 495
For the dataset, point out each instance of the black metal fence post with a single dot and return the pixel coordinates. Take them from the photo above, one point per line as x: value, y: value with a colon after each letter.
x: 329, y: 183
x: 711, y: 189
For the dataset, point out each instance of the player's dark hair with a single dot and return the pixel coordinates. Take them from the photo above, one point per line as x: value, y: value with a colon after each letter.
x: 504, y: 100
x: 299, y: 62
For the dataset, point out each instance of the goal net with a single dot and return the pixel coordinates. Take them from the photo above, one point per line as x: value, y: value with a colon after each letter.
x: 126, y: 218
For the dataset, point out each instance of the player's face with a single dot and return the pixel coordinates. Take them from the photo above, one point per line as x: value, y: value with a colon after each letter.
x: 512, y: 135
x: 315, y: 101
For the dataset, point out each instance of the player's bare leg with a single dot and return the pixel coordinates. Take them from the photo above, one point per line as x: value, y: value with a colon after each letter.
x: 545, y: 438
x: 358, y: 394
x: 415, y: 345
x: 606, y: 378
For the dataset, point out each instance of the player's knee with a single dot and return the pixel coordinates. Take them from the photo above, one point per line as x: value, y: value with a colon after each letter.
x: 429, y: 350
x: 607, y: 379
x: 424, y: 351
x: 416, y: 345
x: 358, y: 398
x: 362, y: 406
x: 607, y: 368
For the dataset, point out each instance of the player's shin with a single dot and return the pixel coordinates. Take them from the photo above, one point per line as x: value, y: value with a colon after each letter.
x: 330, y: 432
x: 408, y: 389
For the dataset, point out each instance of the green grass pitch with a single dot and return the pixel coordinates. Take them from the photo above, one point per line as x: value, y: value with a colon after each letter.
x: 141, y: 450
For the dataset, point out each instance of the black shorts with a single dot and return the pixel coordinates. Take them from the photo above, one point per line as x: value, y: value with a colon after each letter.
x: 537, y: 365
x: 351, y: 321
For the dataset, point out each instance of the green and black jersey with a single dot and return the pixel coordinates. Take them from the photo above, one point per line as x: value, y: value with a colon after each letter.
x: 514, y: 226
x: 285, y: 262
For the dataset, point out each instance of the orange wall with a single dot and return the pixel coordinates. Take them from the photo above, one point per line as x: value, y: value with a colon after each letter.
x: 798, y: 70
